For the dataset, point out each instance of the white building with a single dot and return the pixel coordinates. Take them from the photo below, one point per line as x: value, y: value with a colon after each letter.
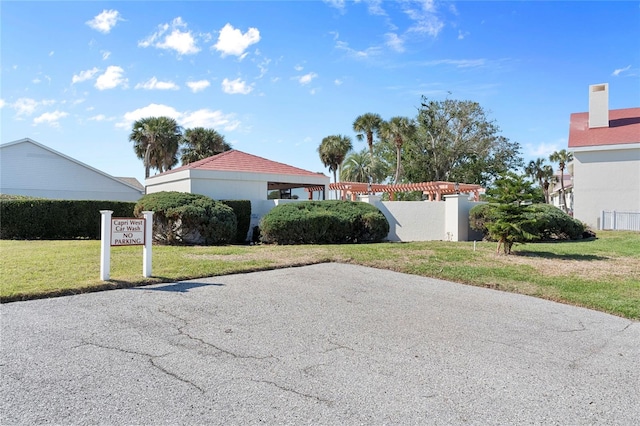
x: 32, y: 169
x: 236, y: 175
x: 606, y: 151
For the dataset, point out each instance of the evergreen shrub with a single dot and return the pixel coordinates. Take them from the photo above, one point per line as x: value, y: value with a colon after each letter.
x: 184, y: 218
x: 324, y: 222
x: 547, y: 222
x: 32, y: 219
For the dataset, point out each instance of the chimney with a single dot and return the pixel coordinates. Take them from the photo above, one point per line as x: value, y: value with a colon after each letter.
x: 599, y: 105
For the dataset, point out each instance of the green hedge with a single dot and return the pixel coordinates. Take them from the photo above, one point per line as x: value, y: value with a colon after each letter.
x: 185, y: 218
x: 242, y: 209
x: 324, y: 222
x: 56, y: 219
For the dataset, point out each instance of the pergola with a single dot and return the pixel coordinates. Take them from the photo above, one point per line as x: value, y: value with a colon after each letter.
x: 434, y: 190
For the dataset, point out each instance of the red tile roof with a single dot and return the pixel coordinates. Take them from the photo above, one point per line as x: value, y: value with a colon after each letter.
x: 238, y: 161
x: 624, y: 127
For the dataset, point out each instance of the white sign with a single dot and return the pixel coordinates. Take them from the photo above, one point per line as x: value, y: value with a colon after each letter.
x: 127, y: 231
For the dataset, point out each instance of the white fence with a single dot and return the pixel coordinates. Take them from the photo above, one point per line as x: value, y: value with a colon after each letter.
x: 621, y: 221
x: 446, y: 220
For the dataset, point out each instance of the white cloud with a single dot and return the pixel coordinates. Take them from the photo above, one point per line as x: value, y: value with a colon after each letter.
x: 543, y: 149
x: 462, y: 34
x: 105, y: 54
x: 298, y: 68
x: 231, y: 41
x: 2, y: 103
x: 99, y: 117
x: 105, y: 21
x: 151, y: 110
x: 357, y: 54
x: 424, y: 17
x: 394, y: 42
x: 338, y: 4
x: 619, y: 71
x: 209, y: 119
x: 200, y: 118
x: 27, y: 106
x: 84, y: 75
x: 154, y: 84
x: 198, y: 86
x: 236, y: 86
x: 50, y: 118
x: 171, y: 37
x: 307, y: 78
x: 337, y: 82
x: 51, y: 53
x: 112, y: 78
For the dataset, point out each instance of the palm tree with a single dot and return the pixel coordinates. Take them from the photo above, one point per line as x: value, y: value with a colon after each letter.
x: 156, y: 142
x: 536, y: 169
x: 360, y: 167
x: 366, y: 125
x: 397, y: 130
x: 333, y: 149
x: 562, y: 157
x: 200, y: 143
x: 547, y: 179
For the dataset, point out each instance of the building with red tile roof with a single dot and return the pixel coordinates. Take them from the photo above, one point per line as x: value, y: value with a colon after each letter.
x: 237, y: 175
x: 606, y: 166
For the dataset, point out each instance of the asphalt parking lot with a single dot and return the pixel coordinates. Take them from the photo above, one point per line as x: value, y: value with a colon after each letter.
x: 323, y: 344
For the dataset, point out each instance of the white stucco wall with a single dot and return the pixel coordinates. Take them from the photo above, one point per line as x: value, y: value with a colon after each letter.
x: 414, y: 220
x: 30, y: 169
x: 606, y: 179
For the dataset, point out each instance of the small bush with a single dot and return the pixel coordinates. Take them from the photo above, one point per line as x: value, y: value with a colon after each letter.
x: 324, y: 222
x: 184, y: 218
x: 547, y: 222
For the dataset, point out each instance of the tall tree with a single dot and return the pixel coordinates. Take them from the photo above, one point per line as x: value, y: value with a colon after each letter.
x: 396, y: 131
x: 200, y: 143
x: 541, y: 173
x: 366, y: 125
x: 361, y: 166
x: 457, y: 142
x: 333, y: 149
x: 156, y: 142
x: 511, y: 222
x: 562, y: 157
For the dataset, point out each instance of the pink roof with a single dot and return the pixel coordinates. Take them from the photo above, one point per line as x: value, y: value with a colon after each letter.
x: 624, y: 127
x: 238, y: 161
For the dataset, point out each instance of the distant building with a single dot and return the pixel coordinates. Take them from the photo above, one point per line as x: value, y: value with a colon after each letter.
x: 32, y: 169
x: 606, y: 151
x: 555, y: 192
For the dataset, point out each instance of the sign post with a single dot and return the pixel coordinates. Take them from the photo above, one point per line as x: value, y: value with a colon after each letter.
x: 125, y: 231
x: 148, y: 239
x: 105, y: 246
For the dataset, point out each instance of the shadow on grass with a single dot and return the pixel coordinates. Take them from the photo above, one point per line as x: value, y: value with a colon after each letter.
x: 550, y: 255
x: 179, y: 287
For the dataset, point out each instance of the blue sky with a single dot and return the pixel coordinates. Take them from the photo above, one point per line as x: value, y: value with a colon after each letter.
x: 275, y: 77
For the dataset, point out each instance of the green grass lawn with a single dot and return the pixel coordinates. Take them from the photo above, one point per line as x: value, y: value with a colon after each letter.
x: 602, y: 274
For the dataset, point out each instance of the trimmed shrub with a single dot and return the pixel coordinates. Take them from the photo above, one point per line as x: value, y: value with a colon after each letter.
x: 324, y: 222
x: 242, y: 209
x: 547, y: 222
x: 32, y: 219
x: 184, y: 218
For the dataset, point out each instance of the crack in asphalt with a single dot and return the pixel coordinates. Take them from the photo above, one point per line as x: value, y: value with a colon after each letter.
x: 183, y: 332
x: 573, y: 330
x: 286, y: 389
x: 150, y: 358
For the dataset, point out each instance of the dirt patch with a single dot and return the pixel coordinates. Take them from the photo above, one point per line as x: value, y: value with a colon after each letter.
x: 589, y: 269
